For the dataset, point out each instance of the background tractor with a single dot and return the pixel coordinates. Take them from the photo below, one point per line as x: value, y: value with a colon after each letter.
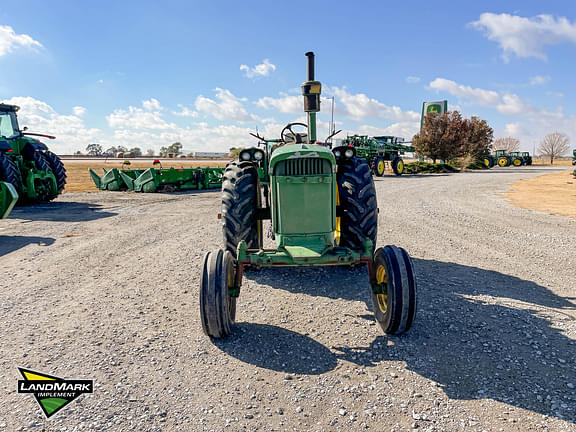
x: 323, y: 211
x: 574, y: 157
x: 379, y: 149
x: 503, y: 158
x: 36, y: 173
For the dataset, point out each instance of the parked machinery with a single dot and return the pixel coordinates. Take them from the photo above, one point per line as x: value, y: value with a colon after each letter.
x: 36, y: 173
x: 379, y: 149
x: 323, y: 210
x: 503, y: 158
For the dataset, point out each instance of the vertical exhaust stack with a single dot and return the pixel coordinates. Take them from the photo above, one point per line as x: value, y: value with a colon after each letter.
x: 311, y: 90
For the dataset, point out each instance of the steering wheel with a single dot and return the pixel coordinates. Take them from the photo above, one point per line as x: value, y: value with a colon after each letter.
x: 288, y: 128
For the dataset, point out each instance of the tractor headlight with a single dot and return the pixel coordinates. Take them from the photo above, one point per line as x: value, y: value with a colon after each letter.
x: 349, y: 153
x: 337, y: 153
x: 245, y: 156
x: 258, y: 155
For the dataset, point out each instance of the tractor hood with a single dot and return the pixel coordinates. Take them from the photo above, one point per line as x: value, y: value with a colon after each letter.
x: 300, y: 151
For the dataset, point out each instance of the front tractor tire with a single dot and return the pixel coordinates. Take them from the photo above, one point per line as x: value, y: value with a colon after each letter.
x: 240, y: 199
x: 398, y: 166
x: 359, y: 216
x: 378, y: 166
x: 503, y: 161
x: 517, y: 162
x: 393, y: 290
x: 217, y: 307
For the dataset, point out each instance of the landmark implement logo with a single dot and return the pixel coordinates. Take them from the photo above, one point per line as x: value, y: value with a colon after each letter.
x: 52, y: 393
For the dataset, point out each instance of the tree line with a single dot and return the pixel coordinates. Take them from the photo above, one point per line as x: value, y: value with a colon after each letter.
x: 448, y: 137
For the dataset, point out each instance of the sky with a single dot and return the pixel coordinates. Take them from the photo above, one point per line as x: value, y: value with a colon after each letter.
x: 149, y: 73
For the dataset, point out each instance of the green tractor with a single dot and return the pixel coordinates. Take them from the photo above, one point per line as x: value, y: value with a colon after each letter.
x: 323, y: 211
x: 574, y: 157
x: 379, y: 149
x: 503, y: 158
x: 36, y: 173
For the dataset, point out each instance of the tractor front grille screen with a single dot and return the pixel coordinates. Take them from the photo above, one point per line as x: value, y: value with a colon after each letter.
x: 303, y: 167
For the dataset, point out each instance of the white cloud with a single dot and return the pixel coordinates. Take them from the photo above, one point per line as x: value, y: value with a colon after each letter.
x: 284, y: 104
x: 529, y: 123
x: 412, y: 79
x: 70, y: 131
x: 538, y: 80
x: 185, y: 112
x: 260, y: 70
x: 359, y: 106
x: 79, y: 111
x: 9, y: 41
x: 405, y: 130
x: 151, y: 105
x: 140, y: 118
x: 526, y: 37
x: 483, y: 97
x: 226, y: 107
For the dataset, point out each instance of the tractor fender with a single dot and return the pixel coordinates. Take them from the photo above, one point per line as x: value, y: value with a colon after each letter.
x: 31, y: 147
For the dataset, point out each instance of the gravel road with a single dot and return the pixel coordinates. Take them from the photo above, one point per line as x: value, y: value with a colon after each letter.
x: 105, y: 286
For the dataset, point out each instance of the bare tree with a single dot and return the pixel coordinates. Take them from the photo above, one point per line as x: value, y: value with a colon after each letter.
x: 554, y: 145
x: 509, y: 144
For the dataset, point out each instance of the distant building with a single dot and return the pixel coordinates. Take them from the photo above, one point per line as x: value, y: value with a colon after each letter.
x: 209, y: 154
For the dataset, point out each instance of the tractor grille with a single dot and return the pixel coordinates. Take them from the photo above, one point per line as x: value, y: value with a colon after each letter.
x: 302, y: 167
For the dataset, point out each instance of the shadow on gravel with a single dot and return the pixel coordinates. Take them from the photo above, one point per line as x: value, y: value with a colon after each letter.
x: 277, y: 349
x: 479, y: 334
x: 9, y: 244
x: 61, y: 212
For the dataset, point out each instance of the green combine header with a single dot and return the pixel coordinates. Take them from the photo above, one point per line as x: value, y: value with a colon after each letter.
x: 379, y: 149
x: 158, y: 179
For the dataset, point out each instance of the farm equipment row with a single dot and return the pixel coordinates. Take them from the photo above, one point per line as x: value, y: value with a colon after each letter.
x: 503, y: 159
x: 379, y: 149
x: 35, y: 173
x: 323, y: 211
x: 158, y: 179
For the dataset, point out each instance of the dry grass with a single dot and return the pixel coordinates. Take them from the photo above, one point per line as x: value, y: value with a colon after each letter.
x: 79, y: 179
x: 551, y: 193
x: 557, y: 162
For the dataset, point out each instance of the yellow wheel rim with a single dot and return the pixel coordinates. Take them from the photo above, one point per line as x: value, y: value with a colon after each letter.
x: 517, y: 162
x: 486, y: 162
x: 382, y: 279
x: 381, y: 167
x: 502, y: 162
x: 400, y: 167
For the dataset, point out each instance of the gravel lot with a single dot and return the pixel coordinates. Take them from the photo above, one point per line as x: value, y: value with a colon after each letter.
x: 105, y: 286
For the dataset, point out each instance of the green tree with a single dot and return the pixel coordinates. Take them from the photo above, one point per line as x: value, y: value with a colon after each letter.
x: 94, y: 149
x: 235, y: 151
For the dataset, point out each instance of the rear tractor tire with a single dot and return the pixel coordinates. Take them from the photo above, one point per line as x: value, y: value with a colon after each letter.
x: 57, y: 169
x: 398, y: 166
x: 359, y: 220
x: 378, y: 166
x: 217, y: 307
x: 9, y: 171
x: 240, y: 199
x: 394, y: 290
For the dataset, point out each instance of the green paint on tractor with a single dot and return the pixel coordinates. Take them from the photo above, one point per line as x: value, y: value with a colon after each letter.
x: 322, y: 207
x: 36, y: 173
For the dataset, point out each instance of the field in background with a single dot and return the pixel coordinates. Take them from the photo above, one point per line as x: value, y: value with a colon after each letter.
x: 79, y: 179
x: 557, y: 162
x: 551, y: 193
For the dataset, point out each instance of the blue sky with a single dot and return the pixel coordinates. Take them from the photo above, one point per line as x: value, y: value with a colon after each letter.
x: 149, y: 73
